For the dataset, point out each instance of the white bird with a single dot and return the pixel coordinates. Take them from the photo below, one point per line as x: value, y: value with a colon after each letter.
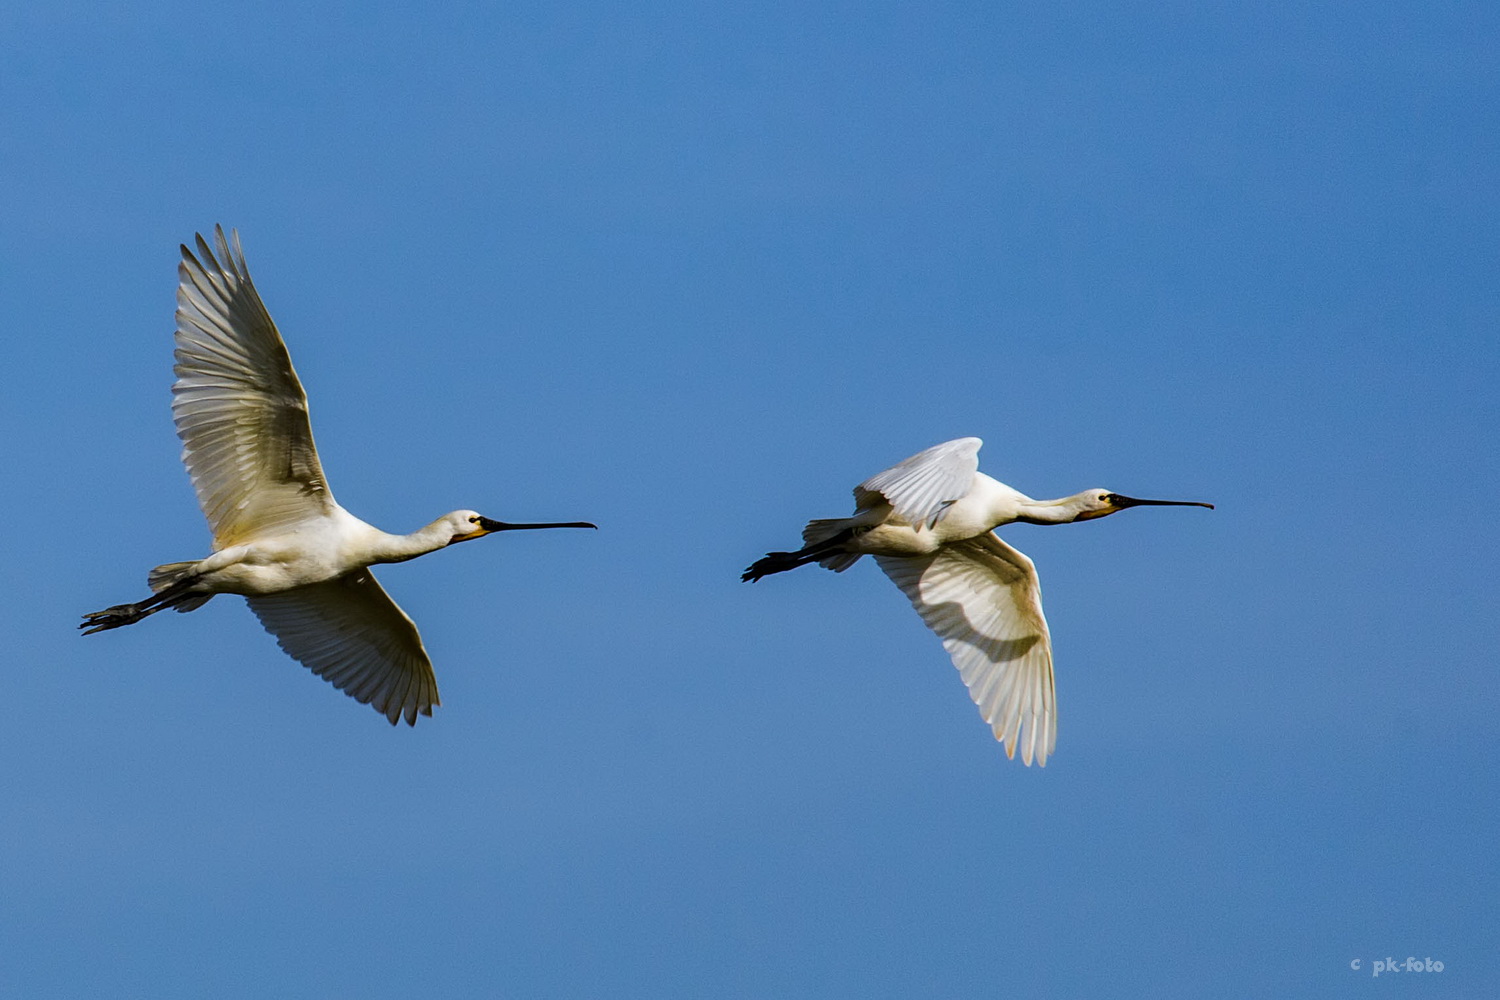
x: 929, y: 524
x: 300, y: 560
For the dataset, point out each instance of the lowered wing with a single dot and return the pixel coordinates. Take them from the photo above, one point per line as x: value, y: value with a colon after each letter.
x: 349, y: 632
x: 982, y: 599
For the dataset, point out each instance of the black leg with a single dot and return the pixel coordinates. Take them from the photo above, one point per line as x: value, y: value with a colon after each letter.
x: 780, y: 562
x: 115, y: 617
x: 128, y: 614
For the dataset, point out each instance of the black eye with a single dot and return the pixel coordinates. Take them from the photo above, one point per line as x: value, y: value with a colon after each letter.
x: 474, y: 519
x: 1106, y: 498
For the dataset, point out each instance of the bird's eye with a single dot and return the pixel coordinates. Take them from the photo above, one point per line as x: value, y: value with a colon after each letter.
x: 1106, y: 498
x: 474, y: 519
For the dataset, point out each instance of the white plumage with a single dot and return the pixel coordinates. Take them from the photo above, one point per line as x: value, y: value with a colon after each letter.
x: 929, y: 521
x: 279, y: 537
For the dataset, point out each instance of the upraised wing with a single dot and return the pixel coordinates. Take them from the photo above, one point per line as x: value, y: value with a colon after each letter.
x: 982, y: 599
x: 922, y: 487
x: 237, y: 403
x: 349, y: 632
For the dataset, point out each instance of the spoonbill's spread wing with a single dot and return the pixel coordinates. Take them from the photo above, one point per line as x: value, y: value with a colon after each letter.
x: 921, y: 488
x: 237, y: 403
x: 349, y: 632
x: 982, y: 599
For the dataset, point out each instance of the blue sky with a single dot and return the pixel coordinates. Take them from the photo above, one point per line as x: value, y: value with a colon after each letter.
x: 690, y: 272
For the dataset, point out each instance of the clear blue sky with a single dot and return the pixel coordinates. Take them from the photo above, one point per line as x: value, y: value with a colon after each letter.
x: 691, y: 271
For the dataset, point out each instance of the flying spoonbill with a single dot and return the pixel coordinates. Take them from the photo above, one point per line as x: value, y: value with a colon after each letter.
x: 299, y: 559
x: 929, y: 524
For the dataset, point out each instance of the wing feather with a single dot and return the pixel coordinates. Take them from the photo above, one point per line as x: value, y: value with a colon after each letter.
x: 982, y: 598
x: 920, y: 488
x: 349, y: 632
x: 238, y: 405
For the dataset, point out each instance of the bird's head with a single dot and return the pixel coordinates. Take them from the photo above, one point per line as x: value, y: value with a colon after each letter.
x: 470, y: 524
x: 1098, y: 503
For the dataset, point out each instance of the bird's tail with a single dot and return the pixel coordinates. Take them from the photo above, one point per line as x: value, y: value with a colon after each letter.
x: 826, y: 529
x: 171, y: 587
x: 167, y: 574
x: 825, y: 551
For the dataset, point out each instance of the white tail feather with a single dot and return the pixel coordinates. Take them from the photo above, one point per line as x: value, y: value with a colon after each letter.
x: 165, y: 575
x: 821, y: 531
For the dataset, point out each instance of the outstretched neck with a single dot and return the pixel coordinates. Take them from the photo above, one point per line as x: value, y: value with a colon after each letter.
x: 1061, y: 511
x: 998, y: 504
x: 399, y: 548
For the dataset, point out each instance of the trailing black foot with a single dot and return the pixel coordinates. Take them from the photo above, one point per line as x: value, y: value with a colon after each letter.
x: 115, y: 617
x: 774, y: 562
x: 780, y: 562
x: 178, y: 595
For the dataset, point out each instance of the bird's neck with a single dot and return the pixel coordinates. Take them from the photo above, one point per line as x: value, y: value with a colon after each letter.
x: 399, y: 548
x: 1060, y: 511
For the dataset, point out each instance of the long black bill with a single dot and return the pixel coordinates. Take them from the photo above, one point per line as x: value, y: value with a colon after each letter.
x: 489, y: 525
x: 1120, y: 501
